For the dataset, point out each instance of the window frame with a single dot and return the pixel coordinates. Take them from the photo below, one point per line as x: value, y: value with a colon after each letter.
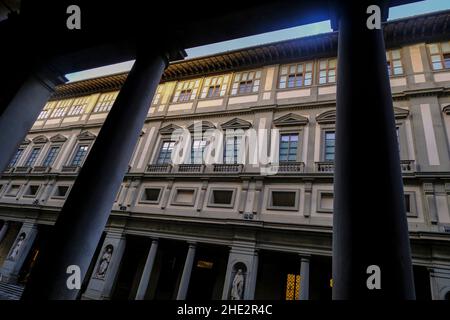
x: 299, y: 144
x: 36, y: 156
x: 319, y: 207
x: 288, y: 66
x: 59, y: 146
x: 16, y: 157
x: 221, y: 205
x: 270, y: 205
x: 327, y: 83
x: 390, y: 63
x: 74, y: 152
x: 141, y: 194
x: 325, y: 130
x: 158, y: 151
x: 254, y: 79
x: 174, y: 202
x: 441, y: 56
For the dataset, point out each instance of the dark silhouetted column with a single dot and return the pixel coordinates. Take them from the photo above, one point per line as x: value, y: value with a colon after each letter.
x: 17, y: 118
x: 369, y: 225
x: 82, y: 219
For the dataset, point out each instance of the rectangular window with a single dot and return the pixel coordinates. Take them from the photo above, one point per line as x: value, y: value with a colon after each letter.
x: 44, y: 114
x: 61, y: 107
x: 232, y: 149
x: 33, y: 156
x: 158, y: 94
x: 31, y: 191
x: 60, y: 192
x: 16, y: 157
x: 215, y: 87
x: 288, y: 147
x: 440, y: 55
x: 327, y: 71
x: 283, y: 200
x: 394, y: 62
x: 151, y: 195
x: 246, y: 82
x: 197, y: 149
x: 330, y: 137
x: 51, y: 156
x: 185, y: 95
x: 165, y: 153
x: 325, y: 203
x: 296, y: 75
x: 79, y: 156
x: 78, y: 106
x: 13, y: 190
x: 184, y: 197
x: 105, y: 102
x: 186, y: 91
x: 222, y: 197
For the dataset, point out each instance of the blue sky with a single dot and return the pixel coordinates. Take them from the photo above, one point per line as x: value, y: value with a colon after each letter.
x: 302, y: 31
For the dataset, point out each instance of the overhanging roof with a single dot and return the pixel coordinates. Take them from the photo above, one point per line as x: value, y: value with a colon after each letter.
x: 422, y: 28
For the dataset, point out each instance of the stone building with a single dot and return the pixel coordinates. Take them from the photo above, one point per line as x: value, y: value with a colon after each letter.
x: 185, y: 230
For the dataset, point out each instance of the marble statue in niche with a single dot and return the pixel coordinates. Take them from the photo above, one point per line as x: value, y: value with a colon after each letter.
x: 237, y: 287
x: 17, y: 247
x: 104, y: 262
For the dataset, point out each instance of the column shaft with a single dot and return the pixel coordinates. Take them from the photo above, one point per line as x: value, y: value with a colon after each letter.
x: 304, y: 279
x: 85, y: 212
x: 187, y: 270
x: 147, y: 272
x: 3, y: 230
x: 17, y: 118
x: 369, y: 221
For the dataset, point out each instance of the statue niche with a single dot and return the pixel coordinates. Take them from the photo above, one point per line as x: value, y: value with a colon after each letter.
x: 238, y: 281
x: 104, y: 262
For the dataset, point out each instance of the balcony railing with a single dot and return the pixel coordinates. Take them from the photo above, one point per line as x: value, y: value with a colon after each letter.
x: 158, y: 168
x: 325, y: 166
x: 23, y: 169
x: 407, y: 166
x: 41, y: 169
x: 290, y: 167
x: 190, y: 168
x: 227, y: 168
x: 70, y: 169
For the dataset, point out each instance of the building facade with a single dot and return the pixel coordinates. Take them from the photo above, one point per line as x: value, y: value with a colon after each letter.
x: 228, y: 227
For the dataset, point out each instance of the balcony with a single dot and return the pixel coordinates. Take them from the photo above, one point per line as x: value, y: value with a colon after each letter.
x: 23, y: 169
x: 227, y: 168
x: 190, y: 168
x: 290, y: 167
x: 70, y: 169
x: 158, y: 168
x: 325, y: 166
x: 41, y: 169
x: 407, y: 166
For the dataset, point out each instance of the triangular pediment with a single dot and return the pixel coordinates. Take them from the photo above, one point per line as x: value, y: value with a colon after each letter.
x: 201, y: 125
x: 40, y: 139
x: 58, y: 138
x: 236, y: 123
x: 290, y: 119
x: 25, y: 141
x: 446, y: 109
x: 400, y: 113
x: 86, y: 135
x: 169, y: 129
x: 326, y: 117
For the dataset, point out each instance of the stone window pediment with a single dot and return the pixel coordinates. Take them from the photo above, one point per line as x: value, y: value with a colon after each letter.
x: 86, y: 135
x: 58, y: 138
x: 291, y: 119
x: 202, y: 125
x: 40, y: 139
x: 169, y: 129
x: 326, y: 117
x: 236, y: 123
